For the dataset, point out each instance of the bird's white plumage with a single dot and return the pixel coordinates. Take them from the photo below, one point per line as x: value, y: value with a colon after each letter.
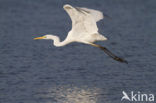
x: 97, y: 15
x: 84, y: 24
x: 84, y: 28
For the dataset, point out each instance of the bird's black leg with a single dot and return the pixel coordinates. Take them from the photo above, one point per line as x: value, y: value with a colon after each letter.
x: 110, y: 53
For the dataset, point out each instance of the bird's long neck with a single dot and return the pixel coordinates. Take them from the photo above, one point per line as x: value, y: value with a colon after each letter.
x: 58, y: 43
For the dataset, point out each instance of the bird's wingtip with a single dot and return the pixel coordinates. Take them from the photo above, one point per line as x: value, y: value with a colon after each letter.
x: 67, y: 6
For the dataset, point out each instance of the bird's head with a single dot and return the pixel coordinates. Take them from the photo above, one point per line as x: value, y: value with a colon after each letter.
x: 45, y: 37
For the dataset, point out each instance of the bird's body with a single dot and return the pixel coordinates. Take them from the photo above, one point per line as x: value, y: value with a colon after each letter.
x: 84, y: 29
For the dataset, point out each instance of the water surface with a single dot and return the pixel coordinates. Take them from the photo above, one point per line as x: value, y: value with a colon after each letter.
x: 37, y: 72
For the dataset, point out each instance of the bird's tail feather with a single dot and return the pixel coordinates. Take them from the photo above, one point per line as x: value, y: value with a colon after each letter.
x: 99, y: 37
x: 109, y: 53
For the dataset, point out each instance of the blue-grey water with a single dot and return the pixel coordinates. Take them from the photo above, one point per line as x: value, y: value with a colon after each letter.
x: 37, y: 72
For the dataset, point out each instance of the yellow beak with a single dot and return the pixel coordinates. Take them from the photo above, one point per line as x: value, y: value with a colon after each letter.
x: 39, y: 38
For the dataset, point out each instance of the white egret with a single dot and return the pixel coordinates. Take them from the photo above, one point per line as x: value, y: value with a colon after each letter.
x: 84, y: 29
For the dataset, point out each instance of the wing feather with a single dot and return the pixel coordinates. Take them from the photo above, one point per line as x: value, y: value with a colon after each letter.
x: 83, y: 20
x: 97, y: 15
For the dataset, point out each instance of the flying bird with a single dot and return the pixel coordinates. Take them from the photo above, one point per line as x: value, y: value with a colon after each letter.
x: 84, y: 29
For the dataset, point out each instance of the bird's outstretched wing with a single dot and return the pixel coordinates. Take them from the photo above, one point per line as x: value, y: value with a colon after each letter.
x: 83, y: 19
x: 110, y: 53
